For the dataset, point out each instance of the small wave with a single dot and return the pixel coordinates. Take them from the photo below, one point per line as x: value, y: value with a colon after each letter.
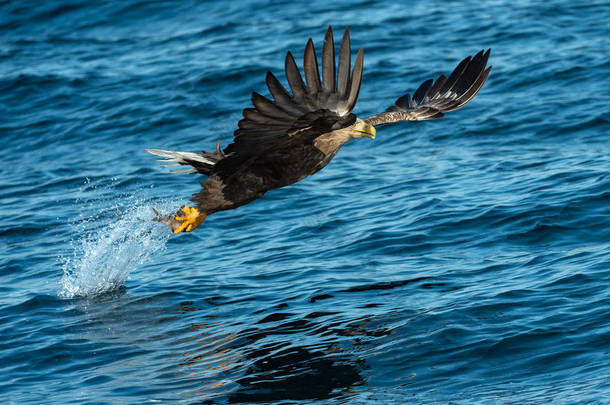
x: 108, y: 248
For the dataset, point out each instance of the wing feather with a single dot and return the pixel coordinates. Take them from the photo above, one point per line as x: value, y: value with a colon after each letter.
x: 344, y: 65
x: 474, y: 89
x: 455, y: 75
x: 356, y: 80
x: 268, y: 107
x: 278, y: 92
x: 310, y: 66
x: 328, y: 61
x: 433, y: 99
x: 261, y: 119
x: 294, y: 78
x: 404, y: 102
x: 323, y: 103
x: 436, y: 87
x: 281, y: 97
x: 422, y: 91
x: 472, y: 71
x: 254, y: 116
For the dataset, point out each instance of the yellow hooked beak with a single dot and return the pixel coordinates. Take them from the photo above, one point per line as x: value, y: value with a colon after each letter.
x: 364, y: 129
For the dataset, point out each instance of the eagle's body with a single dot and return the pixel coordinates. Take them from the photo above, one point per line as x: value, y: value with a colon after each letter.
x: 252, y: 179
x: 281, y: 141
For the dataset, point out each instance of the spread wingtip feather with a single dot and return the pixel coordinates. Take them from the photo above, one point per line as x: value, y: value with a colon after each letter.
x: 433, y: 99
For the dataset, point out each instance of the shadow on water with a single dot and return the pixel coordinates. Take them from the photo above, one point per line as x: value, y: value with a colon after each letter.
x: 287, y: 370
x: 295, y: 360
x: 285, y: 357
x: 297, y: 373
x: 214, y: 360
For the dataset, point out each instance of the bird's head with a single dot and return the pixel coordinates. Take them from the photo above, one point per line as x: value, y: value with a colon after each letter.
x: 361, y: 129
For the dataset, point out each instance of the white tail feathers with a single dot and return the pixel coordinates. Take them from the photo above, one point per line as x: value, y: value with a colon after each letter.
x: 172, y: 158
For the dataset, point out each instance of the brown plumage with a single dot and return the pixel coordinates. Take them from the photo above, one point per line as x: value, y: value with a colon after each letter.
x: 295, y: 134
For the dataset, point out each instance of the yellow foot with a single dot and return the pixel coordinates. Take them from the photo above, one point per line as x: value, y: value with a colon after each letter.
x: 191, y: 218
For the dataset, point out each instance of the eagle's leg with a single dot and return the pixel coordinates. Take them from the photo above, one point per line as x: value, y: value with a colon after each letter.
x: 185, y: 220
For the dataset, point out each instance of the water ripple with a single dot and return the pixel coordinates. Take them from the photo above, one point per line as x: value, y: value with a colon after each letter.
x: 463, y: 260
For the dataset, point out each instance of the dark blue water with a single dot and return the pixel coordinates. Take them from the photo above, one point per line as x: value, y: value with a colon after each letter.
x: 465, y: 259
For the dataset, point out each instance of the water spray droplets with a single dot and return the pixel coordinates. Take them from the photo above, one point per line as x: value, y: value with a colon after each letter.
x: 108, y: 247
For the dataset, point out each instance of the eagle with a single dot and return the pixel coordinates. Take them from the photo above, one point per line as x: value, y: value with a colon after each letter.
x: 283, y: 139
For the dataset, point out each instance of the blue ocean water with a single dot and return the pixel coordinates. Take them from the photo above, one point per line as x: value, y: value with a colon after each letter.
x: 463, y: 260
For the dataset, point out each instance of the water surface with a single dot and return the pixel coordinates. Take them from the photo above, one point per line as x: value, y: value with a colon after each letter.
x: 464, y: 259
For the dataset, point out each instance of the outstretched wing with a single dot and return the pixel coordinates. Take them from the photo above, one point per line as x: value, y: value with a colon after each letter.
x: 434, y: 98
x: 318, y: 103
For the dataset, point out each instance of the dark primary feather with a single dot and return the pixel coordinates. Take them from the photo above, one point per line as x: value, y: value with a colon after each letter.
x: 356, y: 80
x: 433, y: 99
x: 274, y: 121
x: 328, y: 61
x: 420, y: 93
x: 279, y: 93
x: 344, y: 65
x: 310, y: 66
x: 294, y: 78
x: 454, y: 76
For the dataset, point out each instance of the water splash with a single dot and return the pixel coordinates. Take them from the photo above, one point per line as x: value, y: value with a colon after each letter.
x: 108, y: 247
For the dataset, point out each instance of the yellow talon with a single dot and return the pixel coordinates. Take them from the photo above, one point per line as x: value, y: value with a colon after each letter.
x: 191, y: 218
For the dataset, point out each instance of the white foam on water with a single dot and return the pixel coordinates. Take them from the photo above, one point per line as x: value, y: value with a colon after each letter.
x: 108, y: 247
